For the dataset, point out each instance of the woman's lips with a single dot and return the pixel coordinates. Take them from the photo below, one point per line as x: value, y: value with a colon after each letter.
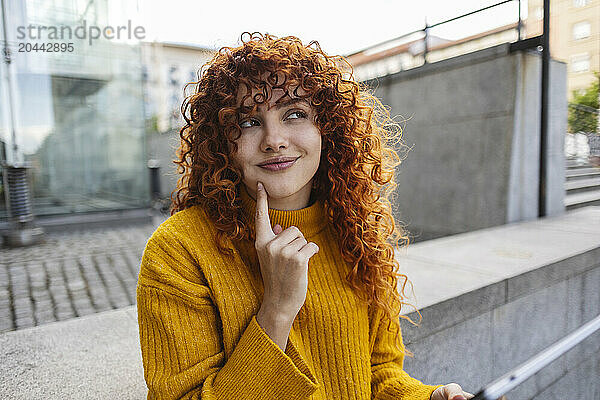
x: 278, y: 166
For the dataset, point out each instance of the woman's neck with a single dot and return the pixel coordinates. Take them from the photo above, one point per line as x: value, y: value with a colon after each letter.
x: 309, y: 220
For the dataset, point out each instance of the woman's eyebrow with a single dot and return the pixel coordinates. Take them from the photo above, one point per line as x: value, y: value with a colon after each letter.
x: 284, y: 103
x: 290, y: 101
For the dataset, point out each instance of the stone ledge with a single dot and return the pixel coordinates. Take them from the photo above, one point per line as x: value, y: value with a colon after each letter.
x: 493, y: 298
x: 96, y: 356
x: 521, y: 257
x: 461, y: 283
x: 90, y: 220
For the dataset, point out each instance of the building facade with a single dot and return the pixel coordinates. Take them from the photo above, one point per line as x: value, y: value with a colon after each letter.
x: 574, y: 37
x: 72, y: 104
x: 409, y: 52
x: 168, y: 67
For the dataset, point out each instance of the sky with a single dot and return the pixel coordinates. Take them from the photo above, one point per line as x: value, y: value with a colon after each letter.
x: 340, y: 27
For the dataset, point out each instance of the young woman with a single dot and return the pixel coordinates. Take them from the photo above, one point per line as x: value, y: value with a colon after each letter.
x: 274, y: 277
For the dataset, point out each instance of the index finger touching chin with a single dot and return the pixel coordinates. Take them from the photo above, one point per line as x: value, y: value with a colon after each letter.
x: 262, y: 222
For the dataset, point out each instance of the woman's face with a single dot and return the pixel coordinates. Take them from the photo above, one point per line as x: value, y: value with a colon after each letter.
x: 279, y: 130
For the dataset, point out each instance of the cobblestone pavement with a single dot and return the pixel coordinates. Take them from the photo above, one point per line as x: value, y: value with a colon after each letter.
x: 70, y: 275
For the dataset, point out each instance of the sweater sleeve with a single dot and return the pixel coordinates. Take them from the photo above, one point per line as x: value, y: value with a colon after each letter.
x: 181, y: 339
x: 389, y: 381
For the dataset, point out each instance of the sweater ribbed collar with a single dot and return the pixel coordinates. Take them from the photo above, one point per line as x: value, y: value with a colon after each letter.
x: 310, y: 220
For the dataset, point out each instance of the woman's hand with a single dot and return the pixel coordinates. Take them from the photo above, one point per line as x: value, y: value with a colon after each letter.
x: 451, y: 391
x: 283, y: 258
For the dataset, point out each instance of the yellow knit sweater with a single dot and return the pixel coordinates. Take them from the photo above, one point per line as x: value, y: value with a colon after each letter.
x: 200, y: 338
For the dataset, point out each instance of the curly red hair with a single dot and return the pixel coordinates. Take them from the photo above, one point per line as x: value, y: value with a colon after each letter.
x: 355, y: 177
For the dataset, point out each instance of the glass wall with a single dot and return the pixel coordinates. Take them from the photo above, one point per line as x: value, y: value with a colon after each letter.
x: 79, y: 108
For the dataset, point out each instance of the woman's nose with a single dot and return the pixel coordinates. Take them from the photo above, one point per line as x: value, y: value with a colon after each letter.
x: 274, y: 137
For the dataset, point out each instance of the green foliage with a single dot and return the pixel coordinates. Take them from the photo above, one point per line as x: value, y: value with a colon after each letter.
x: 583, y: 110
x: 152, y: 125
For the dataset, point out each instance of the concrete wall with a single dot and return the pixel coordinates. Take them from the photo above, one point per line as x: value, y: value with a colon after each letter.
x: 477, y: 337
x: 524, y: 164
x: 474, y: 124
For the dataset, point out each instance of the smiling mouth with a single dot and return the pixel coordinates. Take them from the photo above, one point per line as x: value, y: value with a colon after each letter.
x: 279, y: 166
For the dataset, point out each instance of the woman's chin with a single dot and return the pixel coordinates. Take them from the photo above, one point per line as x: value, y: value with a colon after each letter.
x: 277, y: 192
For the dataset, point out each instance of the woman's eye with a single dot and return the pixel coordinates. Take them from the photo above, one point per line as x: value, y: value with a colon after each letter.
x: 297, y: 115
x: 248, y: 123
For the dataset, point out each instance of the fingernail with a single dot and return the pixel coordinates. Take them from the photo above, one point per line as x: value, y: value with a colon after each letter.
x: 260, y: 186
x: 459, y: 397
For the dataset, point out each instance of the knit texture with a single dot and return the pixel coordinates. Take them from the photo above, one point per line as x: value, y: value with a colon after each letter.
x: 199, y: 335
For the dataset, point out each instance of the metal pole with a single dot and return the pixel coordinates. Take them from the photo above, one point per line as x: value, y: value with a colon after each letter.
x: 598, y: 113
x: 154, y: 168
x: 8, y: 60
x: 426, y: 30
x: 519, y: 23
x: 544, y: 114
x: 437, y: 24
x: 23, y: 231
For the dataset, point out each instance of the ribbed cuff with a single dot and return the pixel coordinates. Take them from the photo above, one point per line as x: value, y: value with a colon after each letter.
x: 258, y: 368
x: 404, y: 387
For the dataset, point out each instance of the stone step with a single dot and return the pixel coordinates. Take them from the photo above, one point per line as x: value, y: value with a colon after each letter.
x: 575, y: 163
x: 582, y: 184
x: 582, y: 172
x: 582, y: 198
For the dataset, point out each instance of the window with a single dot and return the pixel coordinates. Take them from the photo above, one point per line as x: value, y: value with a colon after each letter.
x: 539, y: 13
x: 580, y: 62
x: 580, y: 3
x: 581, y: 30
